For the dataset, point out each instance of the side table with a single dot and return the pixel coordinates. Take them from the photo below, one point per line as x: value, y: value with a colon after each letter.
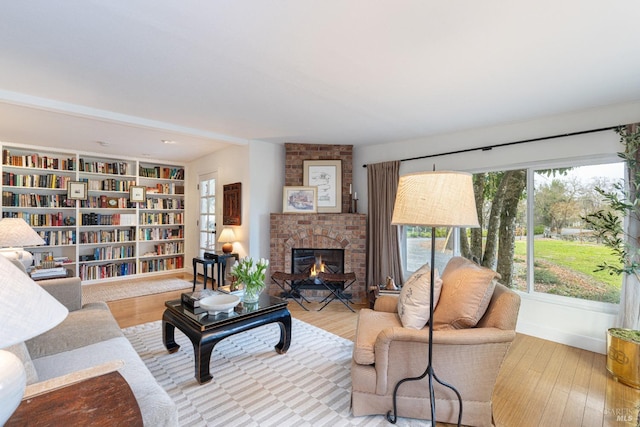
x: 206, y: 262
x: 222, y: 259
x: 105, y: 400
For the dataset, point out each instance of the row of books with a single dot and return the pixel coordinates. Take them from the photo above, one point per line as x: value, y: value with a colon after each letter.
x: 34, y: 200
x: 169, y: 248
x: 111, y: 168
x: 155, y: 203
x: 36, y: 181
x: 58, y: 237
x: 160, y: 233
x: 166, y: 188
x: 56, y: 219
x: 110, y: 184
x: 107, y: 253
x: 94, y: 272
x: 161, y: 264
x: 161, y: 172
x: 40, y: 257
x: 108, y: 236
x: 37, y: 161
x: 111, y: 219
x: 168, y: 218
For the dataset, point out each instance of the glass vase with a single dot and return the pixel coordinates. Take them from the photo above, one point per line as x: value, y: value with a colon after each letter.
x: 252, y: 294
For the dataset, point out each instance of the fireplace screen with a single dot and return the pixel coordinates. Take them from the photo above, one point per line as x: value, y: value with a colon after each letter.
x: 311, y: 261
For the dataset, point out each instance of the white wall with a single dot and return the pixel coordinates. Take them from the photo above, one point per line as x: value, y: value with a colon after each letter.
x: 231, y: 165
x: 260, y: 169
x: 579, y: 326
x: 267, y: 179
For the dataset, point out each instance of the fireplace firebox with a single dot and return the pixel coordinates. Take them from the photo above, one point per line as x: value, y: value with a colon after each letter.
x: 312, y: 261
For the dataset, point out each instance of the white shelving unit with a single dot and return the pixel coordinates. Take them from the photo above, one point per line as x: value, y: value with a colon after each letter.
x: 105, y: 236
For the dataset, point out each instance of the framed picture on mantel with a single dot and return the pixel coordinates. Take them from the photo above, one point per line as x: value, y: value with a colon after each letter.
x: 326, y: 176
x: 299, y: 200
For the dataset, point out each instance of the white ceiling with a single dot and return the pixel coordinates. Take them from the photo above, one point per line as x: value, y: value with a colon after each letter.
x: 211, y: 73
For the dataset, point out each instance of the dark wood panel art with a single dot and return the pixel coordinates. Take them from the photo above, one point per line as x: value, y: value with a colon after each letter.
x: 232, y: 204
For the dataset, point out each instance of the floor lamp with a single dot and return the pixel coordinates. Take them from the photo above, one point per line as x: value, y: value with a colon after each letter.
x: 434, y: 199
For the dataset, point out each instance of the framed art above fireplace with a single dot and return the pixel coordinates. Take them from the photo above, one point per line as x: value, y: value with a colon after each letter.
x: 326, y: 176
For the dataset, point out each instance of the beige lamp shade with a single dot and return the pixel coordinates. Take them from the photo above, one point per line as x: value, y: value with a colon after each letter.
x: 227, y: 237
x: 16, y: 233
x: 436, y: 199
x: 27, y: 311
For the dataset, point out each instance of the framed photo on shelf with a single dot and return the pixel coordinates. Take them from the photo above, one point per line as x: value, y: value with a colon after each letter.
x: 137, y: 194
x: 77, y: 190
x: 326, y: 176
x: 299, y: 200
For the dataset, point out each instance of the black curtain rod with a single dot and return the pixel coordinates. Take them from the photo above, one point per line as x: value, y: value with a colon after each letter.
x: 491, y: 147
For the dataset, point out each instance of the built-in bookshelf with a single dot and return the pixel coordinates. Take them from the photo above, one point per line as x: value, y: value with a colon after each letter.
x: 103, y: 235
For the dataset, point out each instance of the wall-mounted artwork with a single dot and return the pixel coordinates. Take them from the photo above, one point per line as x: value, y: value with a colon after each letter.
x: 326, y: 176
x: 232, y: 204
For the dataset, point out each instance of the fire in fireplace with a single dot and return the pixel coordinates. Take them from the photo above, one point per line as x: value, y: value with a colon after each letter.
x: 311, y: 261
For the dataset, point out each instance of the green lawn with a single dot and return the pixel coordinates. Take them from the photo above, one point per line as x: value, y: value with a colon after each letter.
x: 582, y: 257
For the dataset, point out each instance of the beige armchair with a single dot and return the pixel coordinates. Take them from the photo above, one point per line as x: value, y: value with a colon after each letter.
x: 469, y: 359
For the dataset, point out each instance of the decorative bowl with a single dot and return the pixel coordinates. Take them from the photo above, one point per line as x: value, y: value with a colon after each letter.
x: 220, y: 303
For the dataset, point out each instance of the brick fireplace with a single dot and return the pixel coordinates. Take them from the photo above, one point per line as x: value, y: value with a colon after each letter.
x: 347, y: 231
x: 330, y: 231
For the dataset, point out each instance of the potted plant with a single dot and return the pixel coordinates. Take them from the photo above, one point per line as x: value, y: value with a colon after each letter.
x: 251, y: 274
x: 623, y: 344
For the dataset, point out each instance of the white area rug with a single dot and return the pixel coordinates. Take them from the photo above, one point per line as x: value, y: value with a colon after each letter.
x: 252, y: 385
x: 111, y: 291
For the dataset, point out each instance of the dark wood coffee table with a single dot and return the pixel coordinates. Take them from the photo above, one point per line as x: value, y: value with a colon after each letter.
x: 207, y: 332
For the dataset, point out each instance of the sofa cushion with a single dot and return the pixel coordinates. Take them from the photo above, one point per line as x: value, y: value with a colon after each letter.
x: 21, y: 352
x: 93, y: 323
x: 414, y: 300
x: 466, y: 292
x: 370, y: 324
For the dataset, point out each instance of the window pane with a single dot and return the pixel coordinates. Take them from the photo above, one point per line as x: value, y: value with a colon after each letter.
x: 503, y: 219
x: 419, y: 247
x: 565, y: 250
x: 207, y: 215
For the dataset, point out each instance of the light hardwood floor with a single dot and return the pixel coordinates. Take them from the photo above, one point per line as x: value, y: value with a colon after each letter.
x: 541, y: 383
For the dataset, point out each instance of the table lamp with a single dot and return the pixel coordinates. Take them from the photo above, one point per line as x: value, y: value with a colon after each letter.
x: 15, y: 234
x: 27, y: 311
x: 434, y: 199
x: 227, y: 237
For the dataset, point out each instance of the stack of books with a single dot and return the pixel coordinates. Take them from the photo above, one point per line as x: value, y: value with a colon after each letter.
x: 191, y: 303
x: 382, y: 290
x: 48, y: 273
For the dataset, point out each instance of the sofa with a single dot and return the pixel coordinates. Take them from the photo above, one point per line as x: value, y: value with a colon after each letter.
x: 89, y: 337
x: 474, y: 325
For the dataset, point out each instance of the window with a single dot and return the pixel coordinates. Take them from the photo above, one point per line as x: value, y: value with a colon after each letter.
x: 207, y: 221
x: 560, y: 249
x: 565, y: 252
